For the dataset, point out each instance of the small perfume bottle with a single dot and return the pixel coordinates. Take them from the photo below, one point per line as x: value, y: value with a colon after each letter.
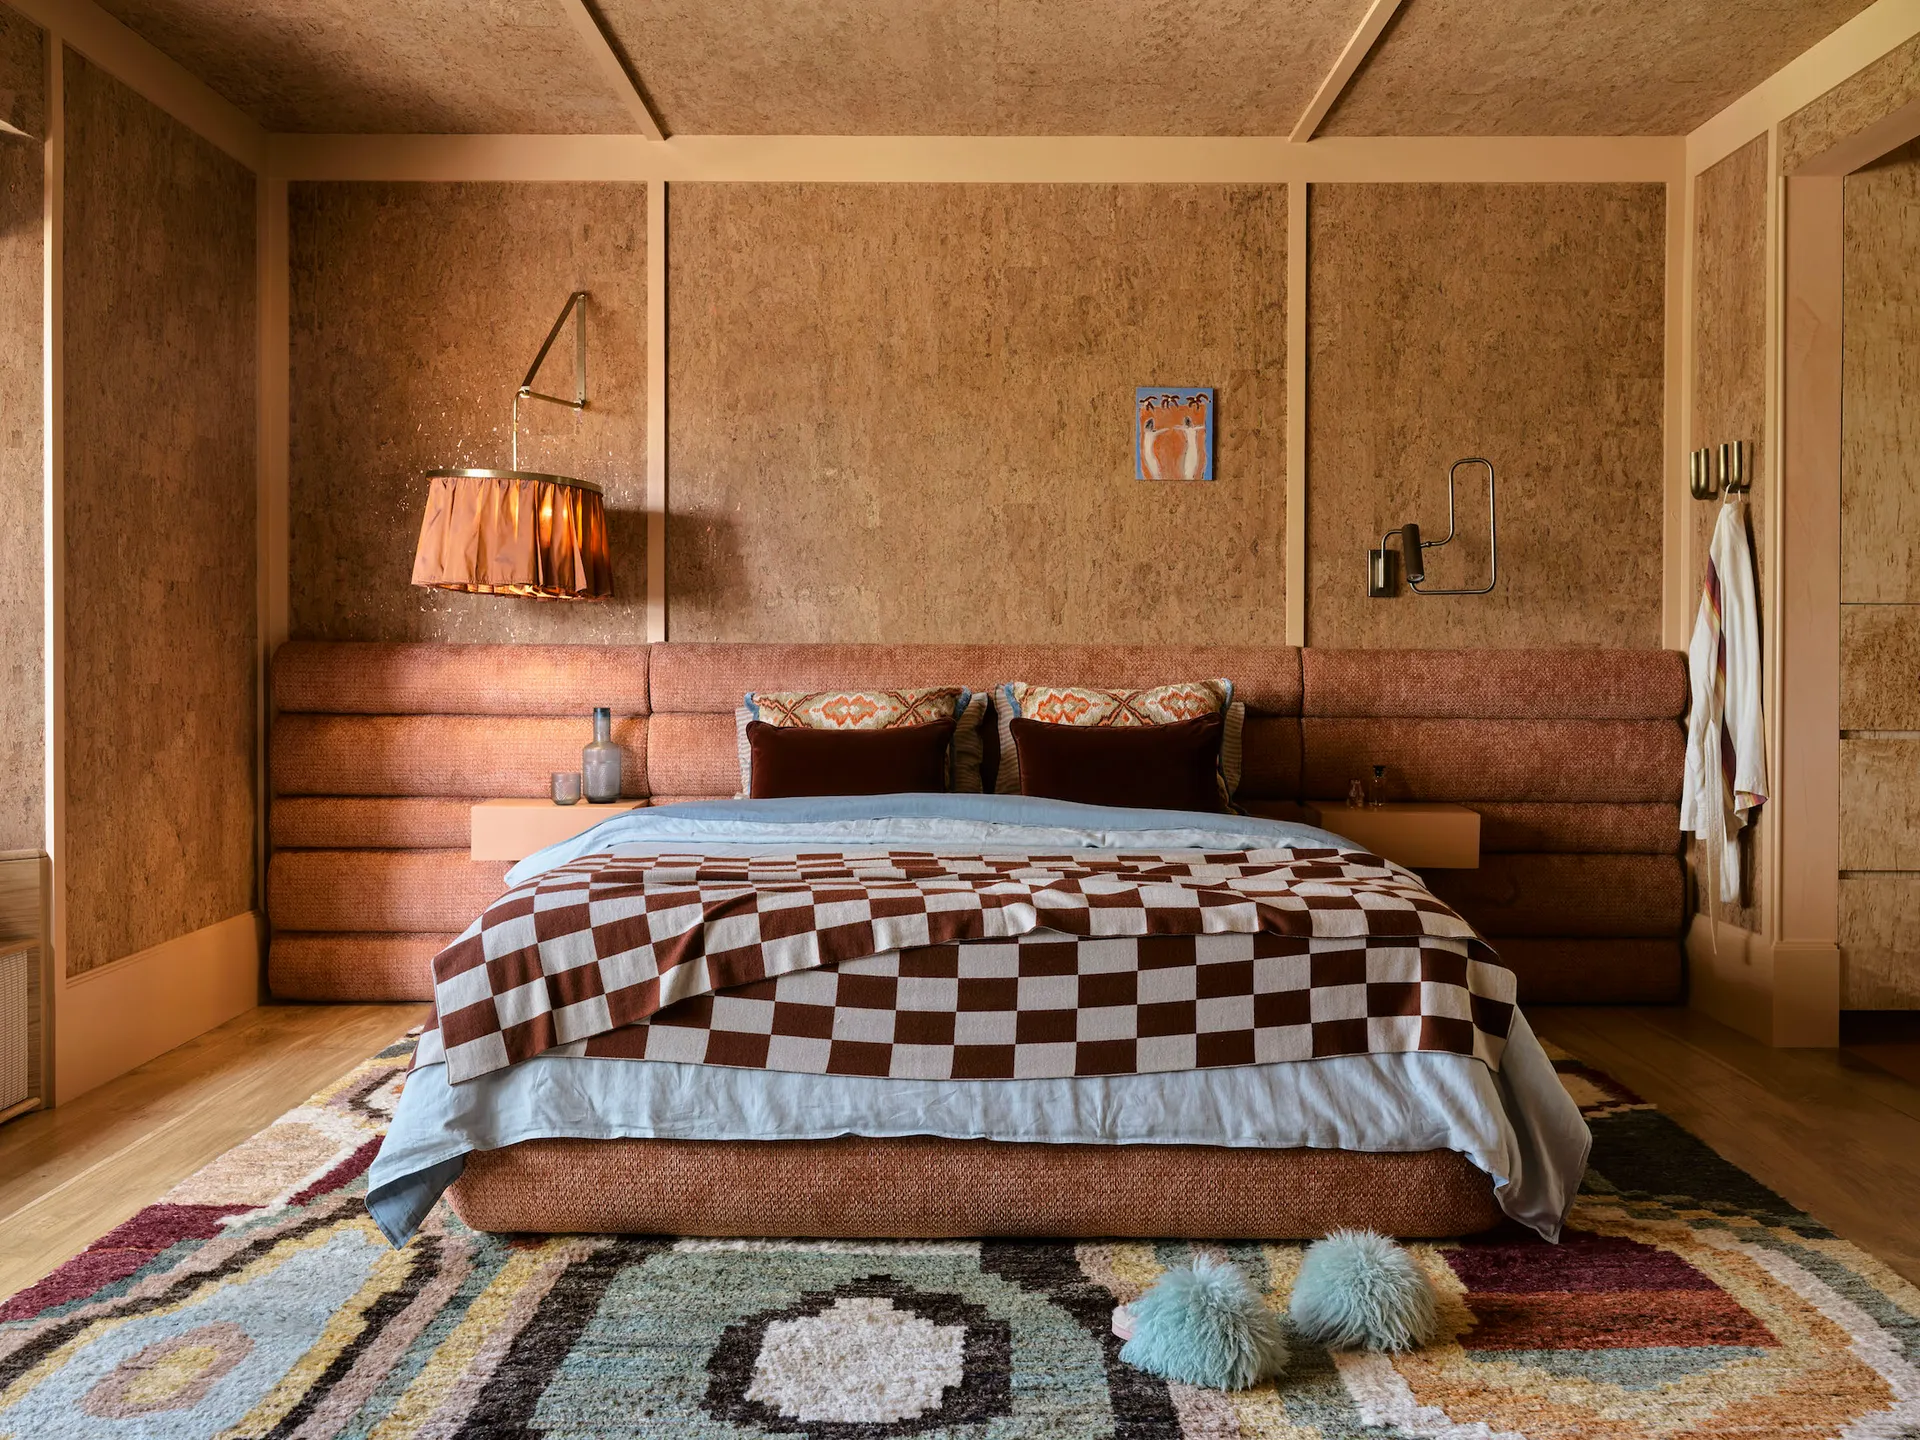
x: 600, y: 760
x: 1379, y: 786
x: 1357, y: 795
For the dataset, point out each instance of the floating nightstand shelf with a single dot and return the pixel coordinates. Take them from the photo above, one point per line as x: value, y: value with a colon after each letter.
x: 514, y: 829
x: 1422, y: 835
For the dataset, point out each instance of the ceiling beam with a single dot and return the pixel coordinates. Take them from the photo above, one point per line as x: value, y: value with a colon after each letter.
x: 141, y: 67
x: 980, y: 159
x: 587, y: 22
x: 1338, y: 78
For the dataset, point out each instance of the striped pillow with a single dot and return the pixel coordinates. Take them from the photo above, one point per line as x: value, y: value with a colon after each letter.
x: 872, y: 710
x: 1086, y: 705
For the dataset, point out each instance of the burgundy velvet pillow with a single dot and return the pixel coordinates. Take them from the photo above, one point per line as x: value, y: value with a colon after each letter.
x: 791, y: 760
x: 1154, y: 767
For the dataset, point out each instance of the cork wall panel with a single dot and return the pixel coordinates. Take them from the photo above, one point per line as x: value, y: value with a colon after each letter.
x: 954, y: 67
x: 1880, y: 805
x: 22, y: 757
x: 1569, y: 67
x: 1862, y: 99
x: 1879, y: 961
x: 160, y: 586
x: 1880, y: 390
x: 1523, y: 323
x: 1879, y: 658
x: 415, y: 311
x: 1730, y: 393
x: 401, y: 66
x: 903, y: 413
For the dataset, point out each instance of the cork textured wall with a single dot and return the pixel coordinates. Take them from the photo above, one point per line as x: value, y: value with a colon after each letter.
x: 415, y: 312
x: 22, y: 740
x: 341, y: 66
x: 903, y: 412
x: 1568, y: 67
x: 955, y: 67
x: 1523, y: 323
x: 1862, y: 99
x: 161, y: 583
x: 1730, y: 395
x: 1879, y: 584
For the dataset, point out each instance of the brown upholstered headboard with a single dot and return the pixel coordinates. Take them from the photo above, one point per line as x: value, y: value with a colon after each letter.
x: 1573, y: 757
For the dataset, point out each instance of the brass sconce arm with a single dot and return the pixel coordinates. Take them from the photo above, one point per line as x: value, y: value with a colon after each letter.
x: 576, y: 307
x: 1380, y: 579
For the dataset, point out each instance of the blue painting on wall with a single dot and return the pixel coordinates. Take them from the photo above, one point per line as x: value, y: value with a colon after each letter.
x: 1173, y: 432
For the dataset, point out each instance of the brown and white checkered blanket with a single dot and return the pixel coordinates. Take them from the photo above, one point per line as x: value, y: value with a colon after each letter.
x: 974, y: 966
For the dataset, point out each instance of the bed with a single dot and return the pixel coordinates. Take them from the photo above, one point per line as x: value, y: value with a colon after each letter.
x: 933, y: 1015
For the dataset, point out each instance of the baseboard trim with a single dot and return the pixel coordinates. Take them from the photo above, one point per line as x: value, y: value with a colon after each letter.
x: 122, y: 1015
x: 1781, y: 992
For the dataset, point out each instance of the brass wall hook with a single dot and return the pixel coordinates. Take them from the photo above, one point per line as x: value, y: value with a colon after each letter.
x: 1722, y: 470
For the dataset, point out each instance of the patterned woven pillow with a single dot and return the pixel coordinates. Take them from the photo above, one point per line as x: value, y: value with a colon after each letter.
x: 1086, y: 705
x: 871, y: 710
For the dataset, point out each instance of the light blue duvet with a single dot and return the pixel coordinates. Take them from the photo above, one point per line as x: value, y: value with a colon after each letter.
x: 1519, y: 1125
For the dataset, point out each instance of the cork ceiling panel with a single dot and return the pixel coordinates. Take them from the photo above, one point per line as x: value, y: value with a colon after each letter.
x: 1573, y: 67
x: 398, y: 67
x: 983, y: 67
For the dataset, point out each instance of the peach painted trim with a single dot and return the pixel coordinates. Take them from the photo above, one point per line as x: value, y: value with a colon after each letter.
x: 1730, y: 976
x: 1783, y: 993
x: 122, y: 1015
x: 1773, y: 567
x: 960, y: 158
x: 611, y: 66
x: 1372, y: 25
x: 1851, y: 48
x: 138, y: 65
x: 1865, y: 146
x: 1298, y: 200
x: 1807, y: 711
x: 53, y: 504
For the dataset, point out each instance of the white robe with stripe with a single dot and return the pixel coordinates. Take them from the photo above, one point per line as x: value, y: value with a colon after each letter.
x: 1726, y: 746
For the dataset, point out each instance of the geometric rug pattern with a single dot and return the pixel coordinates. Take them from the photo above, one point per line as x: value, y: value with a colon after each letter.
x: 257, y: 1300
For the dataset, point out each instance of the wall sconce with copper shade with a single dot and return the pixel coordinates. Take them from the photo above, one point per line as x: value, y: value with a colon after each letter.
x: 520, y: 532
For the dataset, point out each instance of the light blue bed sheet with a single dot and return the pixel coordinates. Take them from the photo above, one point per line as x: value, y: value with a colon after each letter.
x: 1519, y: 1126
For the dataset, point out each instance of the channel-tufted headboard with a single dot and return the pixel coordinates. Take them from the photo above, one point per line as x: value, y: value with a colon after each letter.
x: 1573, y: 758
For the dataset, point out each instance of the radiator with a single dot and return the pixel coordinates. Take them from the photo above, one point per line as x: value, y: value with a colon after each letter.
x: 22, y: 1007
x: 17, y: 1030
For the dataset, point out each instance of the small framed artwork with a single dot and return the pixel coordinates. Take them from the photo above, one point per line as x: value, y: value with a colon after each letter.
x: 1173, y: 432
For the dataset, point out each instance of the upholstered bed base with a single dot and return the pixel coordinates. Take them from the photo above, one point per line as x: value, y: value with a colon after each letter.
x: 921, y: 1187
x: 1573, y: 758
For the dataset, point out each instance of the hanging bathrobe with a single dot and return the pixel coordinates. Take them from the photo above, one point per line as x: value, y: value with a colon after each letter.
x: 1726, y: 757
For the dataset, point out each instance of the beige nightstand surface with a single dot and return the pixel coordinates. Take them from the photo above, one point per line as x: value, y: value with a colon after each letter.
x: 514, y: 829
x: 1422, y: 835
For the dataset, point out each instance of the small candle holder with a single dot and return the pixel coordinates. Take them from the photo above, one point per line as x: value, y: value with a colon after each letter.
x: 566, y: 787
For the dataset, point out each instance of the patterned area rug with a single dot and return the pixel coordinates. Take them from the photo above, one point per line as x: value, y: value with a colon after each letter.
x: 257, y: 1300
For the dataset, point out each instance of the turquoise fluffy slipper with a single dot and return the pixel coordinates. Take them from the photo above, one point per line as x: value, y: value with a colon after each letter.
x: 1361, y: 1291
x: 1203, y: 1325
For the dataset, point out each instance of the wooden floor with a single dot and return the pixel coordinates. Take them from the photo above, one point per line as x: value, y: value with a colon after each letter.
x: 1833, y: 1131
x: 69, y: 1175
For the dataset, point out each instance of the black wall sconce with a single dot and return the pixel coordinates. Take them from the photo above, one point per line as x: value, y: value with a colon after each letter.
x: 1380, y: 563
x: 1712, y: 472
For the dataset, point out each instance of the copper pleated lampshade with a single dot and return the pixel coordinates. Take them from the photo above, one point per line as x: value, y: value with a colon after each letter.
x: 514, y: 532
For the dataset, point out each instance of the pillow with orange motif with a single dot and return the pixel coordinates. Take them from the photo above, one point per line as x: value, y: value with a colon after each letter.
x: 1087, y: 705
x: 855, y: 710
